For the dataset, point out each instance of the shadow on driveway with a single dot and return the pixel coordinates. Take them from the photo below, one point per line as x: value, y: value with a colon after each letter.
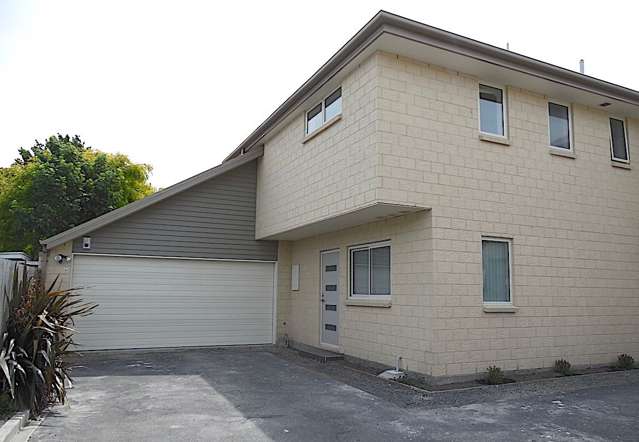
x: 259, y: 394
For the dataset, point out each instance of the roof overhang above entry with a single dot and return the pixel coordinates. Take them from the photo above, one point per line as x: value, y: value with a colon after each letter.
x: 395, y: 34
x: 376, y: 211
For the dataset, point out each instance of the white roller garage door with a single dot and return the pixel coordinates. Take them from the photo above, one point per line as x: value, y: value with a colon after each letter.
x: 160, y: 302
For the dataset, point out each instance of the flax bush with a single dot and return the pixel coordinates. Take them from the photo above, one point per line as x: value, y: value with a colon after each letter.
x: 37, y: 341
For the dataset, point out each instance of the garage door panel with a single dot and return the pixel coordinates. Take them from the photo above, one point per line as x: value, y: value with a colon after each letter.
x: 157, y: 302
x: 182, y: 265
x: 185, y: 311
x: 108, y: 321
x: 131, y: 323
x: 118, y: 299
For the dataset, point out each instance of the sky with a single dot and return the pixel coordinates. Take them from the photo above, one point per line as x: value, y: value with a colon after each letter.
x: 180, y: 84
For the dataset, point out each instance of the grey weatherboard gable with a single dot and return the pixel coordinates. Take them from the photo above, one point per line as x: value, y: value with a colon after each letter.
x: 214, y: 219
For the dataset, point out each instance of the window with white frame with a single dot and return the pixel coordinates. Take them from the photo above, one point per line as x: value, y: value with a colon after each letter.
x: 492, y: 110
x: 324, y: 112
x: 559, y: 125
x: 497, y: 270
x: 618, y: 140
x: 370, y: 267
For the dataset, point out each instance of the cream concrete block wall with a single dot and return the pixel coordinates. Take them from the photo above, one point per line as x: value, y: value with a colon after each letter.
x: 372, y: 333
x: 574, y: 222
x: 333, y: 173
x: 283, y: 294
x: 53, y: 270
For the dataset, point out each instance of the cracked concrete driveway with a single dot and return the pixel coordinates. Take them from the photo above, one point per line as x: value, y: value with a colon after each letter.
x: 249, y: 394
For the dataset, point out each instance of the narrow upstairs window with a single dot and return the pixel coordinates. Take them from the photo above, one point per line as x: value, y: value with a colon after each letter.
x: 492, y: 110
x: 559, y: 126
x: 618, y: 140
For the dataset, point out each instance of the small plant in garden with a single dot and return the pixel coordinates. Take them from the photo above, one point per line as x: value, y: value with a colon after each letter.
x: 494, y: 375
x: 562, y: 366
x: 625, y: 362
x: 38, y: 337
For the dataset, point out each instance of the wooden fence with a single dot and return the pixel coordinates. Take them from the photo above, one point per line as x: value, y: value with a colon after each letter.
x: 8, y: 268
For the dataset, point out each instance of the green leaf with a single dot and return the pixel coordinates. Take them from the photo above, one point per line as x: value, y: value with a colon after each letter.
x: 39, y: 337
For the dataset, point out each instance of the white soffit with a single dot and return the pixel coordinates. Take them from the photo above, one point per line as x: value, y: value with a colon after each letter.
x: 364, y: 215
x: 499, y: 74
x: 464, y: 64
x: 399, y: 35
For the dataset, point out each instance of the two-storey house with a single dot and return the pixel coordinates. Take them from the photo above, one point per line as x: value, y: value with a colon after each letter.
x: 422, y: 195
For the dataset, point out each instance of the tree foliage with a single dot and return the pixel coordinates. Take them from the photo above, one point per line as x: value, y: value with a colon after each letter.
x: 59, y: 184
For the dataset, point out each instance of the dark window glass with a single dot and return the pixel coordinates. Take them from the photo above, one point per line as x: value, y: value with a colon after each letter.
x: 333, y: 97
x: 333, y: 104
x: 330, y: 327
x: 618, y: 135
x: 380, y: 271
x: 360, y: 272
x: 331, y: 307
x: 331, y: 268
x: 314, y: 119
x: 559, y: 125
x: 491, y: 110
x: 331, y: 288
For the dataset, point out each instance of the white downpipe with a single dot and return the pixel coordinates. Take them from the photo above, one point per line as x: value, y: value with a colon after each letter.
x: 395, y: 374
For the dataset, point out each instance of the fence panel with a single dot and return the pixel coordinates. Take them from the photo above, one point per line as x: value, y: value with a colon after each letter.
x: 7, y: 271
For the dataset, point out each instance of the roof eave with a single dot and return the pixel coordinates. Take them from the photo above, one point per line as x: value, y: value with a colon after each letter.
x: 368, y: 33
x: 508, y: 59
x: 385, y: 22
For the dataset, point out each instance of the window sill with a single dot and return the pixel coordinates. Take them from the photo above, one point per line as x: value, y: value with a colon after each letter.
x: 325, y: 126
x: 497, y: 139
x: 380, y: 303
x: 500, y: 308
x: 561, y: 152
x: 620, y: 164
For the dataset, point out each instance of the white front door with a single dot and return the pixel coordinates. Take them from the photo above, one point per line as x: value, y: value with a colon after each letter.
x: 329, y: 298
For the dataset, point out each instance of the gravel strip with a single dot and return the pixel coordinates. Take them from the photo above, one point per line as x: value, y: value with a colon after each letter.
x: 407, y: 397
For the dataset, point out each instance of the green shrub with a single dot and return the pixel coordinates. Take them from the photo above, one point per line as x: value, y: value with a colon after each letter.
x: 625, y: 362
x: 38, y: 337
x: 562, y: 366
x: 494, y: 375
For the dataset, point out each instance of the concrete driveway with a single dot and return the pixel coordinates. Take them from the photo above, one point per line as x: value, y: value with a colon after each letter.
x: 248, y: 394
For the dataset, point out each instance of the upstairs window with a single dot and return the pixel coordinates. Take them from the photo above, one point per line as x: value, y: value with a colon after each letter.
x: 492, y: 114
x: 559, y: 126
x: 618, y: 140
x: 324, y: 112
x: 333, y: 105
x: 314, y: 119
